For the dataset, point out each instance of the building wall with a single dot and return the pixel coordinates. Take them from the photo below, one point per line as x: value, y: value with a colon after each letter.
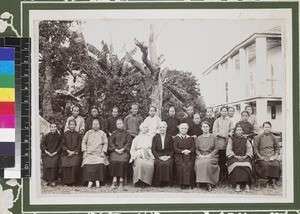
x: 275, y: 65
x: 250, y: 79
x: 251, y: 90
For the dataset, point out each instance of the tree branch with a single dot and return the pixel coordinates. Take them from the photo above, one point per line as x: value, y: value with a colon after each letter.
x: 145, y: 59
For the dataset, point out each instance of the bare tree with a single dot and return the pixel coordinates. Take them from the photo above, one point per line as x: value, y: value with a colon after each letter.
x: 154, y: 66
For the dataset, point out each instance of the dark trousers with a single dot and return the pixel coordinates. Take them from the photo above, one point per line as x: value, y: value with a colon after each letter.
x: 222, y: 164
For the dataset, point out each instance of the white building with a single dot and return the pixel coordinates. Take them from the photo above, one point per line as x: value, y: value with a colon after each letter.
x: 252, y: 73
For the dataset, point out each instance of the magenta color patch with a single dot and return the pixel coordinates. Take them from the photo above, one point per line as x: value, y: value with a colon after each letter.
x: 7, y: 121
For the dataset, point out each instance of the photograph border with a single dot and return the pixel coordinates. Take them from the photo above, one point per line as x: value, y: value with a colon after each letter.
x: 27, y: 6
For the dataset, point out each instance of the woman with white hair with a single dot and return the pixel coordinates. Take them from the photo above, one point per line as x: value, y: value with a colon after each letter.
x: 162, y: 149
x: 184, y: 156
x: 142, y: 157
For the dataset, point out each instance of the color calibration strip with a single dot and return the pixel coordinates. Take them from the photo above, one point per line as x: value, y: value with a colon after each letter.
x: 7, y: 108
x: 22, y: 107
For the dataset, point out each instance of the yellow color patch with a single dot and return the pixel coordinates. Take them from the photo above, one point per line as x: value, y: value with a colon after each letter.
x: 7, y: 94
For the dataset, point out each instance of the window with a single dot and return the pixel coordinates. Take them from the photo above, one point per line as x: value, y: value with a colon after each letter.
x: 273, y: 112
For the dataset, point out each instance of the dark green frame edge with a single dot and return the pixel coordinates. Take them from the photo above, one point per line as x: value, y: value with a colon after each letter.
x: 184, y: 5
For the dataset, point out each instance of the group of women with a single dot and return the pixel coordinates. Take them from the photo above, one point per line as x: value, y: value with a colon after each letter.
x: 214, y: 151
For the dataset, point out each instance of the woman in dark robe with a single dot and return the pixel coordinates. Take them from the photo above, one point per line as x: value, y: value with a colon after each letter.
x: 248, y: 128
x: 209, y: 118
x: 162, y: 149
x: 206, y: 165
x: 112, y: 121
x: 71, y: 155
x: 195, y: 130
x: 184, y: 156
x: 95, y: 115
x: 119, y: 147
x: 172, y: 122
x: 267, y: 151
x: 239, y: 153
x: 50, y: 147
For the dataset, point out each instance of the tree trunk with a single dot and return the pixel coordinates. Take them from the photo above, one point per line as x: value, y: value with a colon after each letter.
x: 47, y: 102
x: 152, y: 47
x: 157, y: 91
x: 156, y: 96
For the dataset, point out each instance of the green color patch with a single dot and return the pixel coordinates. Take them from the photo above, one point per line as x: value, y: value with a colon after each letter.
x: 7, y: 81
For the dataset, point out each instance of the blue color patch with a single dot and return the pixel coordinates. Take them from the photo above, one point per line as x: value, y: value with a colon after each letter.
x: 7, y: 67
x: 7, y: 148
x: 7, y: 54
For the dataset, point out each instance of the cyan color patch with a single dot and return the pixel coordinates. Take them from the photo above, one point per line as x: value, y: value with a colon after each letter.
x: 7, y: 67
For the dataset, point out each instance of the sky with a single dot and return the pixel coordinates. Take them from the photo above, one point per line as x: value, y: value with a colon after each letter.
x: 188, y: 45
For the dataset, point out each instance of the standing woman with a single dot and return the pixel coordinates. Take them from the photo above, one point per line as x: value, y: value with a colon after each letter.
x: 252, y: 119
x: 209, y: 118
x: 184, y: 155
x: 206, y: 164
x: 248, y: 129
x: 239, y: 153
x: 223, y: 128
x: 267, y: 150
x: 119, y: 147
x: 152, y: 121
x: 94, y: 148
x: 142, y: 157
x: 195, y: 130
x: 95, y: 115
x: 172, y: 122
x: 162, y: 149
x: 71, y: 155
x: 50, y: 147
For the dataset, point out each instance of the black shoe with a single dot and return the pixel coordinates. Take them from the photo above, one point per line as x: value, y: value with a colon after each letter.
x: 209, y: 188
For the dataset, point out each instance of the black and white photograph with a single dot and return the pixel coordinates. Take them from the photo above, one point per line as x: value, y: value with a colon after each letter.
x: 154, y: 108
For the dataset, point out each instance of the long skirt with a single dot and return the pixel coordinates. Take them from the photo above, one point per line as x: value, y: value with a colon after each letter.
x: 50, y: 168
x: 240, y: 174
x: 94, y: 172
x: 222, y: 164
x: 70, y: 169
x: 70, y: 175
x: 207, y: 171
x: 163, y: 172
x: 50, y: 174
x: 118, y: 164
x: 143, y: 170
x: 267, y: 169
x: 185, y: 173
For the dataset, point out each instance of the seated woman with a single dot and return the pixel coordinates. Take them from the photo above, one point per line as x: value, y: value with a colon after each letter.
x: 142, y: 157
x: 119, y: 146
x: 71, y: 155
x: 94, y: 148
x: 267, y: 150
x: 206, y: 165
x: 184, y: 156
x: 50, y: 147
x: 239, y: 153
x: 162, y: 149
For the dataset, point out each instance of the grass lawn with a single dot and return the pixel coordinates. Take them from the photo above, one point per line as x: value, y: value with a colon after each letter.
x: 219, y: 189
